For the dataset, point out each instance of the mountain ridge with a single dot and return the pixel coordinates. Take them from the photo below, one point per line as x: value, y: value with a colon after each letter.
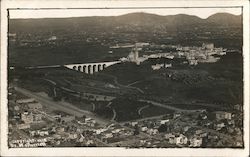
x: 126, y: 15
x: 137, y: 20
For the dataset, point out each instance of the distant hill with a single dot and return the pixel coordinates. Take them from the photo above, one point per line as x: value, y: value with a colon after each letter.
x: 135, y: 20
x: 225, y: 19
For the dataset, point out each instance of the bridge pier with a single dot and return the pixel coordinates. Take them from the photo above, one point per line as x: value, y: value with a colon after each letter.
x: 86, y: 70
x: 95, y: 68
x: 91, y: 69
x: 100, y: 67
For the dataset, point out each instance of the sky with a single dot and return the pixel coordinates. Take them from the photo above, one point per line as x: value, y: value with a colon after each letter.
x: 62, y: 13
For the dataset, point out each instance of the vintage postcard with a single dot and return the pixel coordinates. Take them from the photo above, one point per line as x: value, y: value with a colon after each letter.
x: 122, y: 78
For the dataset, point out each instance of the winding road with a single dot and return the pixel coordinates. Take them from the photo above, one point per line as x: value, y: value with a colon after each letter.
x: 121, y: 85
x: 142, y: 108
x: 166, y: 106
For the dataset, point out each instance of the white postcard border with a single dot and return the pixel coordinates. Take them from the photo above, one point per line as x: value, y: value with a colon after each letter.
x: 119, y: 151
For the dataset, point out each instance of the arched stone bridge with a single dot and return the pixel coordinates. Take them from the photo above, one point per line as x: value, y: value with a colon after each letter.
x: 90, y: 68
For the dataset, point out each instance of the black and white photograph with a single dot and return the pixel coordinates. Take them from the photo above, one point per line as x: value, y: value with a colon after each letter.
x: 129, y: 77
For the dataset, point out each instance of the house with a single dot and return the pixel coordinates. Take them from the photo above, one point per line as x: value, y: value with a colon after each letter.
x: 220, y: 115
x: 116, y: 130
x: 169, y: 135
x: 200, y: 133
x: 170, y: 56
x: 238, y: 107
x: 32, y: 133
x: 81, y: 138
x: 27, y: 117
x: 197, y: 132
x: 56, y: 136
x: 90, y: 123
x: 157, y: 66
x: 72, y: 136
x: 108, y: 135
x: 34, y: 106
x: 230, y: 129
x: 219, y: 126
x: 58, y: 116
x: 128, y: 133
x: 172, y: 140
x: 195, y: 142
x: 43, y: 133
x: 204, y: 134
x: 203, y: 116
x: 186, y: 128
x: 231, y: 122
x: 68, y: 118
x: 37, y: 118
x: 143, y: 141
x: 181, y: 140
x: 177, y: 114
x: 89, y: 142
x: 99, y: 131
x: 134, y: 123
x: 17, y: 108
x: 60, y: 130
x: 164, y: 121
x: 87, y: 119
x: 214, y: 137
x: 144, y: 128
x: 193, y: 62
x: 152, y: 131
x: 23, y: 126
x: 168, y: 65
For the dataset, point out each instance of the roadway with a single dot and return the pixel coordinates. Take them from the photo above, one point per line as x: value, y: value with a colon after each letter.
x: 62, y: 106
x: 166, y: 106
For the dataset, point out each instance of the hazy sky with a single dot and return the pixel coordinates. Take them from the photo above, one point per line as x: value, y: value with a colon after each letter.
x: 60, y: 13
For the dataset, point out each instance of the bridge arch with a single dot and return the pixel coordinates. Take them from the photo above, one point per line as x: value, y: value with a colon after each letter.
x: 90, y: 69
x: 85, y: 69
x: 104, y: 66
x: 79, y: 68
x: 95, y: 68
x: 74, y: 67
x: 99, y: 67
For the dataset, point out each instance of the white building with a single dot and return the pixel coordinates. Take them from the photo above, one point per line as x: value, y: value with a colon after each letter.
x: 144, y: 128
x: 164, y: 121
x: 223, y: 115
x: 181, y: 140
x: 134, y: 123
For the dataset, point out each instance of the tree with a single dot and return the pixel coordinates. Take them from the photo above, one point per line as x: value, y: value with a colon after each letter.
x: 163, y: 128
x: 84, y: 117
x: 136, y: 131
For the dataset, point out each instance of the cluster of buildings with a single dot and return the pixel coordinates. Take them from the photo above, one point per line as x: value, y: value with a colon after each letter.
x: 197, y: 129
x: 193, y: 55
x: 25, y: 113
x: 207, y: 53
x: 34, y: 125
